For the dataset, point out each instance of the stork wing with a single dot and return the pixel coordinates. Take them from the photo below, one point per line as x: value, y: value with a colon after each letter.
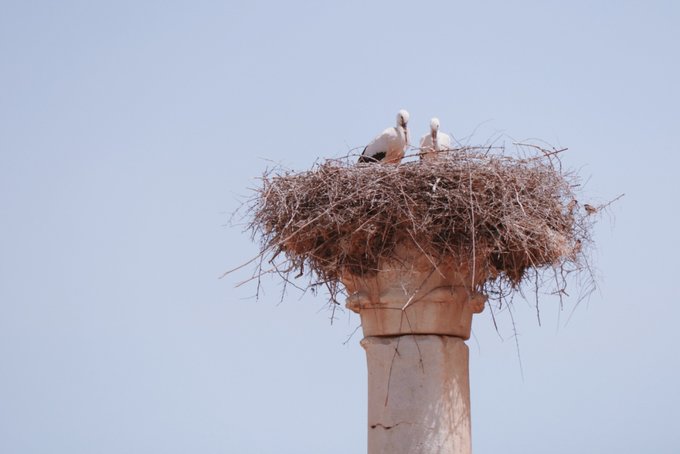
x: 381, y: 143
x: 444, y: 141
x: 426, y: 141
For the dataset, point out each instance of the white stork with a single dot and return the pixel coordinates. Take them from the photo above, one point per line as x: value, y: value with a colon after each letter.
x: 434, y: 142
x: 388, y: 147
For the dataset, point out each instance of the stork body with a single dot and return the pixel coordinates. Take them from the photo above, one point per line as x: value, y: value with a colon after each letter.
x: 388, y: 147
x: 433, y: 143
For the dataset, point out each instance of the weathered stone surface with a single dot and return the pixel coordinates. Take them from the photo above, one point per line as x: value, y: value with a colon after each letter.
x: 418, y: 395
x: 416, y: 314
x: 411, y: 293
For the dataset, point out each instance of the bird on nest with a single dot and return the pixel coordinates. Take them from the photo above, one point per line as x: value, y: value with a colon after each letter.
x: 388, y: 147
x: 433, y: 143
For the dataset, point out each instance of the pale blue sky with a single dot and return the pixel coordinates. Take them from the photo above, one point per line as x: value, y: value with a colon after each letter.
x: 129, y: 130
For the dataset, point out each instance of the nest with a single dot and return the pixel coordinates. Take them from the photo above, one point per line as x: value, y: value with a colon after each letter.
x: 514, y: 217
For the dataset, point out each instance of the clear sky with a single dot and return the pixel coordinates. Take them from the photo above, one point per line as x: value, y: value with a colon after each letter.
x: 130, y: 130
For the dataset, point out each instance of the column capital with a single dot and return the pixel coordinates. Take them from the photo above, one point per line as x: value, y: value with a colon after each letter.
x: 412, y: 293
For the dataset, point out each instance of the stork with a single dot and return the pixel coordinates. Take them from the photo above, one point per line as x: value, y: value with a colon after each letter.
x: 434, y: 142
x: 388, y: 147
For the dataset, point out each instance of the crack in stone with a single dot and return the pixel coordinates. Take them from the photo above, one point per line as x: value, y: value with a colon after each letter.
x: 374, y: 426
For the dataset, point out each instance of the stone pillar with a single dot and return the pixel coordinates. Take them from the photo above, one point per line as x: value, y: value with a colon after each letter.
x: 418, y: 394
x: 416, y: 314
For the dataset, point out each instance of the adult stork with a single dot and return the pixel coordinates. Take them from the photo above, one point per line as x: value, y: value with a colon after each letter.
x: 431, y: 144
x: 388, y: 146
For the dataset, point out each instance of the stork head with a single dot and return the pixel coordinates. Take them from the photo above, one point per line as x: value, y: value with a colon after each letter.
x: 402, y: 118
x: 434, y: 124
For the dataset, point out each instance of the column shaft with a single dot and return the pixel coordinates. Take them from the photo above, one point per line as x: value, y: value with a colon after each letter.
x: 418, y: 395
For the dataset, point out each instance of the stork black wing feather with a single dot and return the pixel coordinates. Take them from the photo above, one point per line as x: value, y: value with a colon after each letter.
x: 375, y: 158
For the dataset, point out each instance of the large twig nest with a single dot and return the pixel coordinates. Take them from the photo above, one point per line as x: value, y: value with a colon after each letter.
x: 514, y: 216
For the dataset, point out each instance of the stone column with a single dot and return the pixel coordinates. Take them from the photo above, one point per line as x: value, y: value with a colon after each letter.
x: 416, y: 314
